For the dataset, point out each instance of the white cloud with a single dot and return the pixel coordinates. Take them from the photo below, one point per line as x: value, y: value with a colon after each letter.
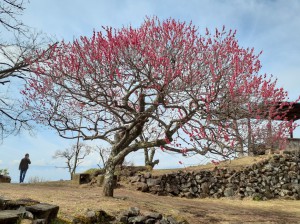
x: 15, y: 162
x: 40, y: 162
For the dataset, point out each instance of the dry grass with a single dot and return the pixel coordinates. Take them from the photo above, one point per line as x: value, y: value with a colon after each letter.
x: 232, y: 164
x: 74, y: 200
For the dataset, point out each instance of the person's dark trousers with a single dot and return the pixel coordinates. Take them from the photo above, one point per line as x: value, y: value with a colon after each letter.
x: 22, y: 175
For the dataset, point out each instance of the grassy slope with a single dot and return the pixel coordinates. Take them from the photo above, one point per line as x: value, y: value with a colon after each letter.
x: 232, y: 164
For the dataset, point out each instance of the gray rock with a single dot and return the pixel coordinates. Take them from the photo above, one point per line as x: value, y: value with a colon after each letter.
x: 152, y: 182
x: 22, y: 209
x: 173, y: 189
x: 154, y: 215
x: 205, y: 188
x: 193, y: 190
x: 40, y: 221
x: 189, y: 195
x: 186, y: 185
x: 123, y: 219
x: 228, y: 192
x: 10, y: 216
x: 164, y: 221
x: 133, y: 211
x: 147, y: 175
x: 16, y: 204
x: 143, y: 187
x: 150, y: 221
x: 155, y: 189
x: 28, y: 215
x: 44, y: 211
x: 172, y: 220
x: 91, y: 216
x: 137, y: 219
x: 135, y: 179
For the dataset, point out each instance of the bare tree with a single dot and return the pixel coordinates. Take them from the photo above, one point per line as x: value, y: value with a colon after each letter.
x: 16, y: 53
x: 14, y: 70
x: 149, y: 154
x: 10, y: 10
x: 104, y: 155
x: 74, y: 156
x: 149, y: 157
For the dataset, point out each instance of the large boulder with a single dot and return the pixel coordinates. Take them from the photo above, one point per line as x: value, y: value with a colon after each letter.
x: 17, y: 211
x: 43, y: 211
x: 10, y: 216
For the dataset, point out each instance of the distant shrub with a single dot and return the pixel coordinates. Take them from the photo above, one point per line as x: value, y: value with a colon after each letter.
x: 94, y: 171
x: 36, y: 179
x: 4, y: 172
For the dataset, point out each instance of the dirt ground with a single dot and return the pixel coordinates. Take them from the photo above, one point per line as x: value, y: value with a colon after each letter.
x: 74, y: 200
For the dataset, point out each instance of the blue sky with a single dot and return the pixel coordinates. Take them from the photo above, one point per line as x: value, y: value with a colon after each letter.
x: 272, y: 26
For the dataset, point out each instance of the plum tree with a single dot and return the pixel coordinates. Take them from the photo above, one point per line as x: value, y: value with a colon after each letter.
x: 185, y: 92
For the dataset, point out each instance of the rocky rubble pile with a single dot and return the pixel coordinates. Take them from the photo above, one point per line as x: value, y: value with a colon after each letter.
x: 34, y: 212
x: 131, y: 216
x: 275, y: 177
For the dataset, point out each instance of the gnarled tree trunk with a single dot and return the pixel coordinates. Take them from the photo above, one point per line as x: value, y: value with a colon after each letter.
x: 116, y: 158
x: 108, y: 187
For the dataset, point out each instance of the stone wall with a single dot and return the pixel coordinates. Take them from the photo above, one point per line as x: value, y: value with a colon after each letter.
x: 275, y: 177
x: 5, y: 179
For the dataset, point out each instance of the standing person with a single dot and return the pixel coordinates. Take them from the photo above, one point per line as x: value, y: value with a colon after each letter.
x: 23, y: 167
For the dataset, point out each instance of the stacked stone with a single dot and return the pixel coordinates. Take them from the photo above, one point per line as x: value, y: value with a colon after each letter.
x: 278, y: 176
x: 131, y: 216
x: 5, y: 179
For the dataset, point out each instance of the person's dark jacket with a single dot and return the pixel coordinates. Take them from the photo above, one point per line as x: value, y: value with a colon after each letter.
x: 24, y: 164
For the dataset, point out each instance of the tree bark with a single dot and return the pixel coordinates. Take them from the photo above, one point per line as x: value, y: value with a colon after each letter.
x: 250, y: 143
x: 239, y: 150
x: 108, y: 187
x: 269, y: 137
